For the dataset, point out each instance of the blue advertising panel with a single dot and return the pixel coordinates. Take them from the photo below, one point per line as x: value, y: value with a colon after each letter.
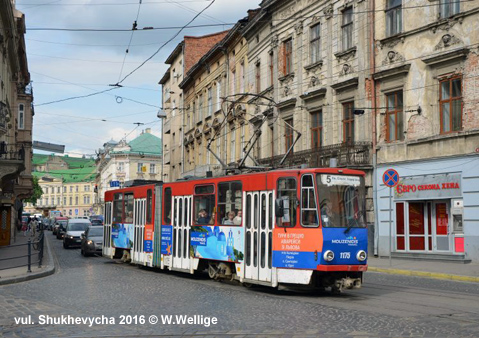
x: 122, y: 235
x: 166, y: 239
x: 295, y: 259
x: 225, y: 243
x: 345, y: 246
x: 148, y: 246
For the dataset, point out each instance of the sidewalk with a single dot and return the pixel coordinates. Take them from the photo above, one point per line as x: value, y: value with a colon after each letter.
x: 421, y: 268
x: 20, y: 274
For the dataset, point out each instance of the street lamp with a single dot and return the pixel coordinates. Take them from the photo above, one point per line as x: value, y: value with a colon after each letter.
x: 162, y: 116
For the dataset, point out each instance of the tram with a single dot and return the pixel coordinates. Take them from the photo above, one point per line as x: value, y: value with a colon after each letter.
x: 281, y: 228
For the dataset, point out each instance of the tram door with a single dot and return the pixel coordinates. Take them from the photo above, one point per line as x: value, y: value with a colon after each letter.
x: 139, y: 214
x: 181, y: 231
x: 258, y: 235
x: 107, y: 248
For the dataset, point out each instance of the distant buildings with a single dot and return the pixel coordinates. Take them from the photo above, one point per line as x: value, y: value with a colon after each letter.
x: 16, y: 117
x: 67, y: 183
x: 119, y: 162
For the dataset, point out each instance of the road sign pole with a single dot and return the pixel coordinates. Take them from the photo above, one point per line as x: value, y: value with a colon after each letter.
x: 390, y: 225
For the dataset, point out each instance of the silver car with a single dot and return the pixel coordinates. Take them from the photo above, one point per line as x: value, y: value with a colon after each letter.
x: 91, y: 241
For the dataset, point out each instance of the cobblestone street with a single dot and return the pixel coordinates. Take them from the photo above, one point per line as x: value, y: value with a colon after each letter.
x: 386, y: 306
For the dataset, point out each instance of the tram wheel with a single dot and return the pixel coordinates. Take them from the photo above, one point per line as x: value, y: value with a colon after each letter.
x: 212, y: 271
x: 247, y: 285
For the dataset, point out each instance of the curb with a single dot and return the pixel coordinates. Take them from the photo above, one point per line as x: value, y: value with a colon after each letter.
x: 434, y: 275
x: 50, y: 270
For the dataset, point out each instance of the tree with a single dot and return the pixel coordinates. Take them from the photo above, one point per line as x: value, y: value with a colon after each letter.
x: 37, y: 192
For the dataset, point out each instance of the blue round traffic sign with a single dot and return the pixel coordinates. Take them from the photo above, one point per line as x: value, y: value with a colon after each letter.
x: 391, y: 178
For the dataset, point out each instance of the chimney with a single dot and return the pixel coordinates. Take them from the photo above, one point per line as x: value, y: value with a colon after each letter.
x: 148, y: 130
x: 252, y: 13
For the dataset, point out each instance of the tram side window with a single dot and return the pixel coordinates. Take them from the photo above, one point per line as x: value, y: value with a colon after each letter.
x: 118, y: 208
x: 149, y: 205
x: 230, y: 203
x: 288, y: 193
x: 309, y: 212
x: 129, y: 201
x: 167, y: 206
x: 204, y: 212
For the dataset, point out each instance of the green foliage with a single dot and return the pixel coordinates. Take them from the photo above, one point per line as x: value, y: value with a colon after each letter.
x: 37, y: 192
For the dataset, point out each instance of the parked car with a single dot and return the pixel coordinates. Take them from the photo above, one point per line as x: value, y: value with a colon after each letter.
x: 91, y: 240
x: 60, y: 226
x: 75, y: 228
x: 97, y: 222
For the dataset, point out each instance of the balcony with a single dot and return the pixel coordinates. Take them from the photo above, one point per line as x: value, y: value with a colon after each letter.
x: 356, y: 155
x: 167, y: 126
x: 12, y: 161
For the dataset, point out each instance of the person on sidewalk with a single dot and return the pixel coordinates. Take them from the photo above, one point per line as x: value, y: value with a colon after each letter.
x: 33, y: 226
x: 24, y: 229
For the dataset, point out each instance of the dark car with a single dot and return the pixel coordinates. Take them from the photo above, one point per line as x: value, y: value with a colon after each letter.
x: 96, y: 222
x: 91, y: 240
x: 60, y: 227
x: 75, y: 228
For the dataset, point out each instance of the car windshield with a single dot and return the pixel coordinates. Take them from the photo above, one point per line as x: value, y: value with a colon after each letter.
x: 77, y: 226
x: 95, y: 232
x: 341, y: 201
x: 62, y: 222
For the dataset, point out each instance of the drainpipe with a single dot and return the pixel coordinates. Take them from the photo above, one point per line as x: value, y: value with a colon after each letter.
x: 372, y: 61
x: 183, y: 118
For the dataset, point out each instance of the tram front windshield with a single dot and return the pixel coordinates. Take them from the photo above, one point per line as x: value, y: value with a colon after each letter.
x: 341, y: 201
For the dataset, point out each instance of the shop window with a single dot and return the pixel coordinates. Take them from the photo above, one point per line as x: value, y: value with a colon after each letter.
x: 309, y: 212
x: 204, y: 203
x: 416, y: 227
x: 450, y: 102
x: 230, y: 203
x: 288, y: 193
x: 167, y: 206
x: 118, y: 208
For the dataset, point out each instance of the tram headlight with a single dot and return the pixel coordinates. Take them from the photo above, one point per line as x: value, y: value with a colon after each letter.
x: 328, y: 255
x: 361, y: 255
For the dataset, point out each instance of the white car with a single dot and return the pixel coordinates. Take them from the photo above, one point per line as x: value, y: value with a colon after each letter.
x: 75, y: 227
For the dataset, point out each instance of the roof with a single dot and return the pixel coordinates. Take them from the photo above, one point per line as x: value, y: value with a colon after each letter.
x: 70, y: 175
x: 39, y: 159
x: 72, y: 162
x: 145, y: 144
x: 175, y: 53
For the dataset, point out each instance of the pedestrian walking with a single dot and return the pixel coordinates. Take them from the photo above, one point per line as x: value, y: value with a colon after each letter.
x: 33, y: 226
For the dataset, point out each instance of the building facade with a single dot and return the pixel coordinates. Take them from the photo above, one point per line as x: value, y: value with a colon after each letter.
x: 180, y: 61
x: 426, y: 69
x: 16, y: 116
x: 119, y: 162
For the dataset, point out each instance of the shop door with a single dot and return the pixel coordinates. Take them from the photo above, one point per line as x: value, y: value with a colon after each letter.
x: 181, y: 231
x: 259, y: 223
x: 441, y: 224
x: 417, y: 226
x: 5, y: 226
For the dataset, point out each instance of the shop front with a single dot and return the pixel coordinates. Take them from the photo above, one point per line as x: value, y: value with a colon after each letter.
x: 428, y: 218
x: 435, y: 210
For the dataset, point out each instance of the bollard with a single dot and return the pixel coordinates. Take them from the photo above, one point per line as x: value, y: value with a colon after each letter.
x: 29, y: 255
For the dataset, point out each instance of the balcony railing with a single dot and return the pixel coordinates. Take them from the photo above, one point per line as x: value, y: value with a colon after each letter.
x: 11, y: 152
x: 355, y: 155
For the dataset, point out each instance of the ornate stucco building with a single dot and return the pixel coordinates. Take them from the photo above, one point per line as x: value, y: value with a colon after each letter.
x: 16, y: 118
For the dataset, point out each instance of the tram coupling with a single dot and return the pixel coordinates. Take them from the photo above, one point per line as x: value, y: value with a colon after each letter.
x: 347, y: 283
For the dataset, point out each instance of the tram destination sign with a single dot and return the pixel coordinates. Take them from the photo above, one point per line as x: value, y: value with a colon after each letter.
x: 428, y: 187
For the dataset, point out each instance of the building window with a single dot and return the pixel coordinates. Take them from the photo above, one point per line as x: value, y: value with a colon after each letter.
x: 121, y: 167
x: 21, y: 116
x: 58, y: 200
x: 194, y: 111
x: 271, y: 69
x: 317, y: 129
x: 64, y: 189
x: 58, y: 190
x: 218, y: 95
x: 287, y: 56
x: 64, y: 201
x: 76, y: 200
x: 71, y: 200
x: 394, y: 117
x: 46, y: 190
x: 46, y: 201
x: 200, y: 109
x: 152, y: 168
x: 451, y: 104
x: 258, y: 77
x: 233, y: 82
x: 76, y: 188
x: 233, y: 145
x: 315, y: 43
x: 348, y: 122
x: 242, y: 77
x: 393, y: 17
x: 288, y: 134
x: 347, y: 28
x: 140, y: 167
x: 210, y: 102
x: 449, y: 8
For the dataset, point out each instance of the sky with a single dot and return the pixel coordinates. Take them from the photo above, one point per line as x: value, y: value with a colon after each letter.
x: 69, y: 63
